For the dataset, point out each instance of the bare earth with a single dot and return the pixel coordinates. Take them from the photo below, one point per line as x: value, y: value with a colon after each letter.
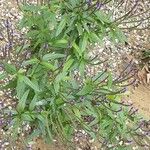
x: 141, y: 99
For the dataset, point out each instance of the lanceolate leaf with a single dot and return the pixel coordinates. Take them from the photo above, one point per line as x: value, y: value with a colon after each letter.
x: 95, y: 38
x: 103, y: 17
x: 61, y: 26
x: 82, y: 68
x: 9, y: 68
x: 83, y: 43
x: 20, y: 87
x: 30, y: 62
x: 110, y: 80
x: 68, y: 64
x: 30, y: 83
x: 48, y: 65
x: 60, y: 43
x: 77, y: 50
x: 87, y: 89
x: 26, y: 117
x: 80, y: 29
x: 52, y: 56
x: 33, y: 103
x: 22, y: 101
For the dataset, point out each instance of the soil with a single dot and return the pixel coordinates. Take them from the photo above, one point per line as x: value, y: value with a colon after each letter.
x: 40, y: 145
x: 141, y: 99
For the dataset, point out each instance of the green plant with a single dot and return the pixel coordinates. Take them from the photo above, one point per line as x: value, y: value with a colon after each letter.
x: 48, y: 95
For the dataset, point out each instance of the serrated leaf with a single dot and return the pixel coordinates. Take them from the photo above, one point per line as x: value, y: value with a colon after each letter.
x: 30, y: 83
x: 22, y: 102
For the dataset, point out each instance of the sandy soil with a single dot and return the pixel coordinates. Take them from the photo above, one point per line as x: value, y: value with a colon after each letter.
x: 141, y: 99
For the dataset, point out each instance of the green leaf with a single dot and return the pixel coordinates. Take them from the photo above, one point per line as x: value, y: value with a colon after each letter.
x: 33, y: 103
x: 20, y: 87
x: 60, y: 76
x: 82, y: 68
x: 48, y: 65
x: 22, y: 102
x: 80, y: 29
x: 41, y: 102
x: 83, y: 43
x: 86, y: 27
x: 3, y: 76
x: 68, y: 64
x: 77, y: 112
x: 61, y: 26
x: 74, y: 83
x: 30, y: 83
x: 110, y: 80
x: 77, y: 50
x: 10, y: 68
x: 116, y: 33
x: 26, y: 117
x: 60, y: 43
x: 30, y: 62
x: 11, y: 84
x: 95, y: 38
x: 19, y: 49
x: 103, y: 17
x: 56, y: 87
x: 120, y: 35
x: 52, y: 56
x: 42, y: 119
x: 100, y: 76
x: 87, y: 89
x: 73, y: 2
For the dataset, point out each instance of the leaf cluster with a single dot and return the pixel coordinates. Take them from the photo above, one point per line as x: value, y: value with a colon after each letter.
x: 49, y: 97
